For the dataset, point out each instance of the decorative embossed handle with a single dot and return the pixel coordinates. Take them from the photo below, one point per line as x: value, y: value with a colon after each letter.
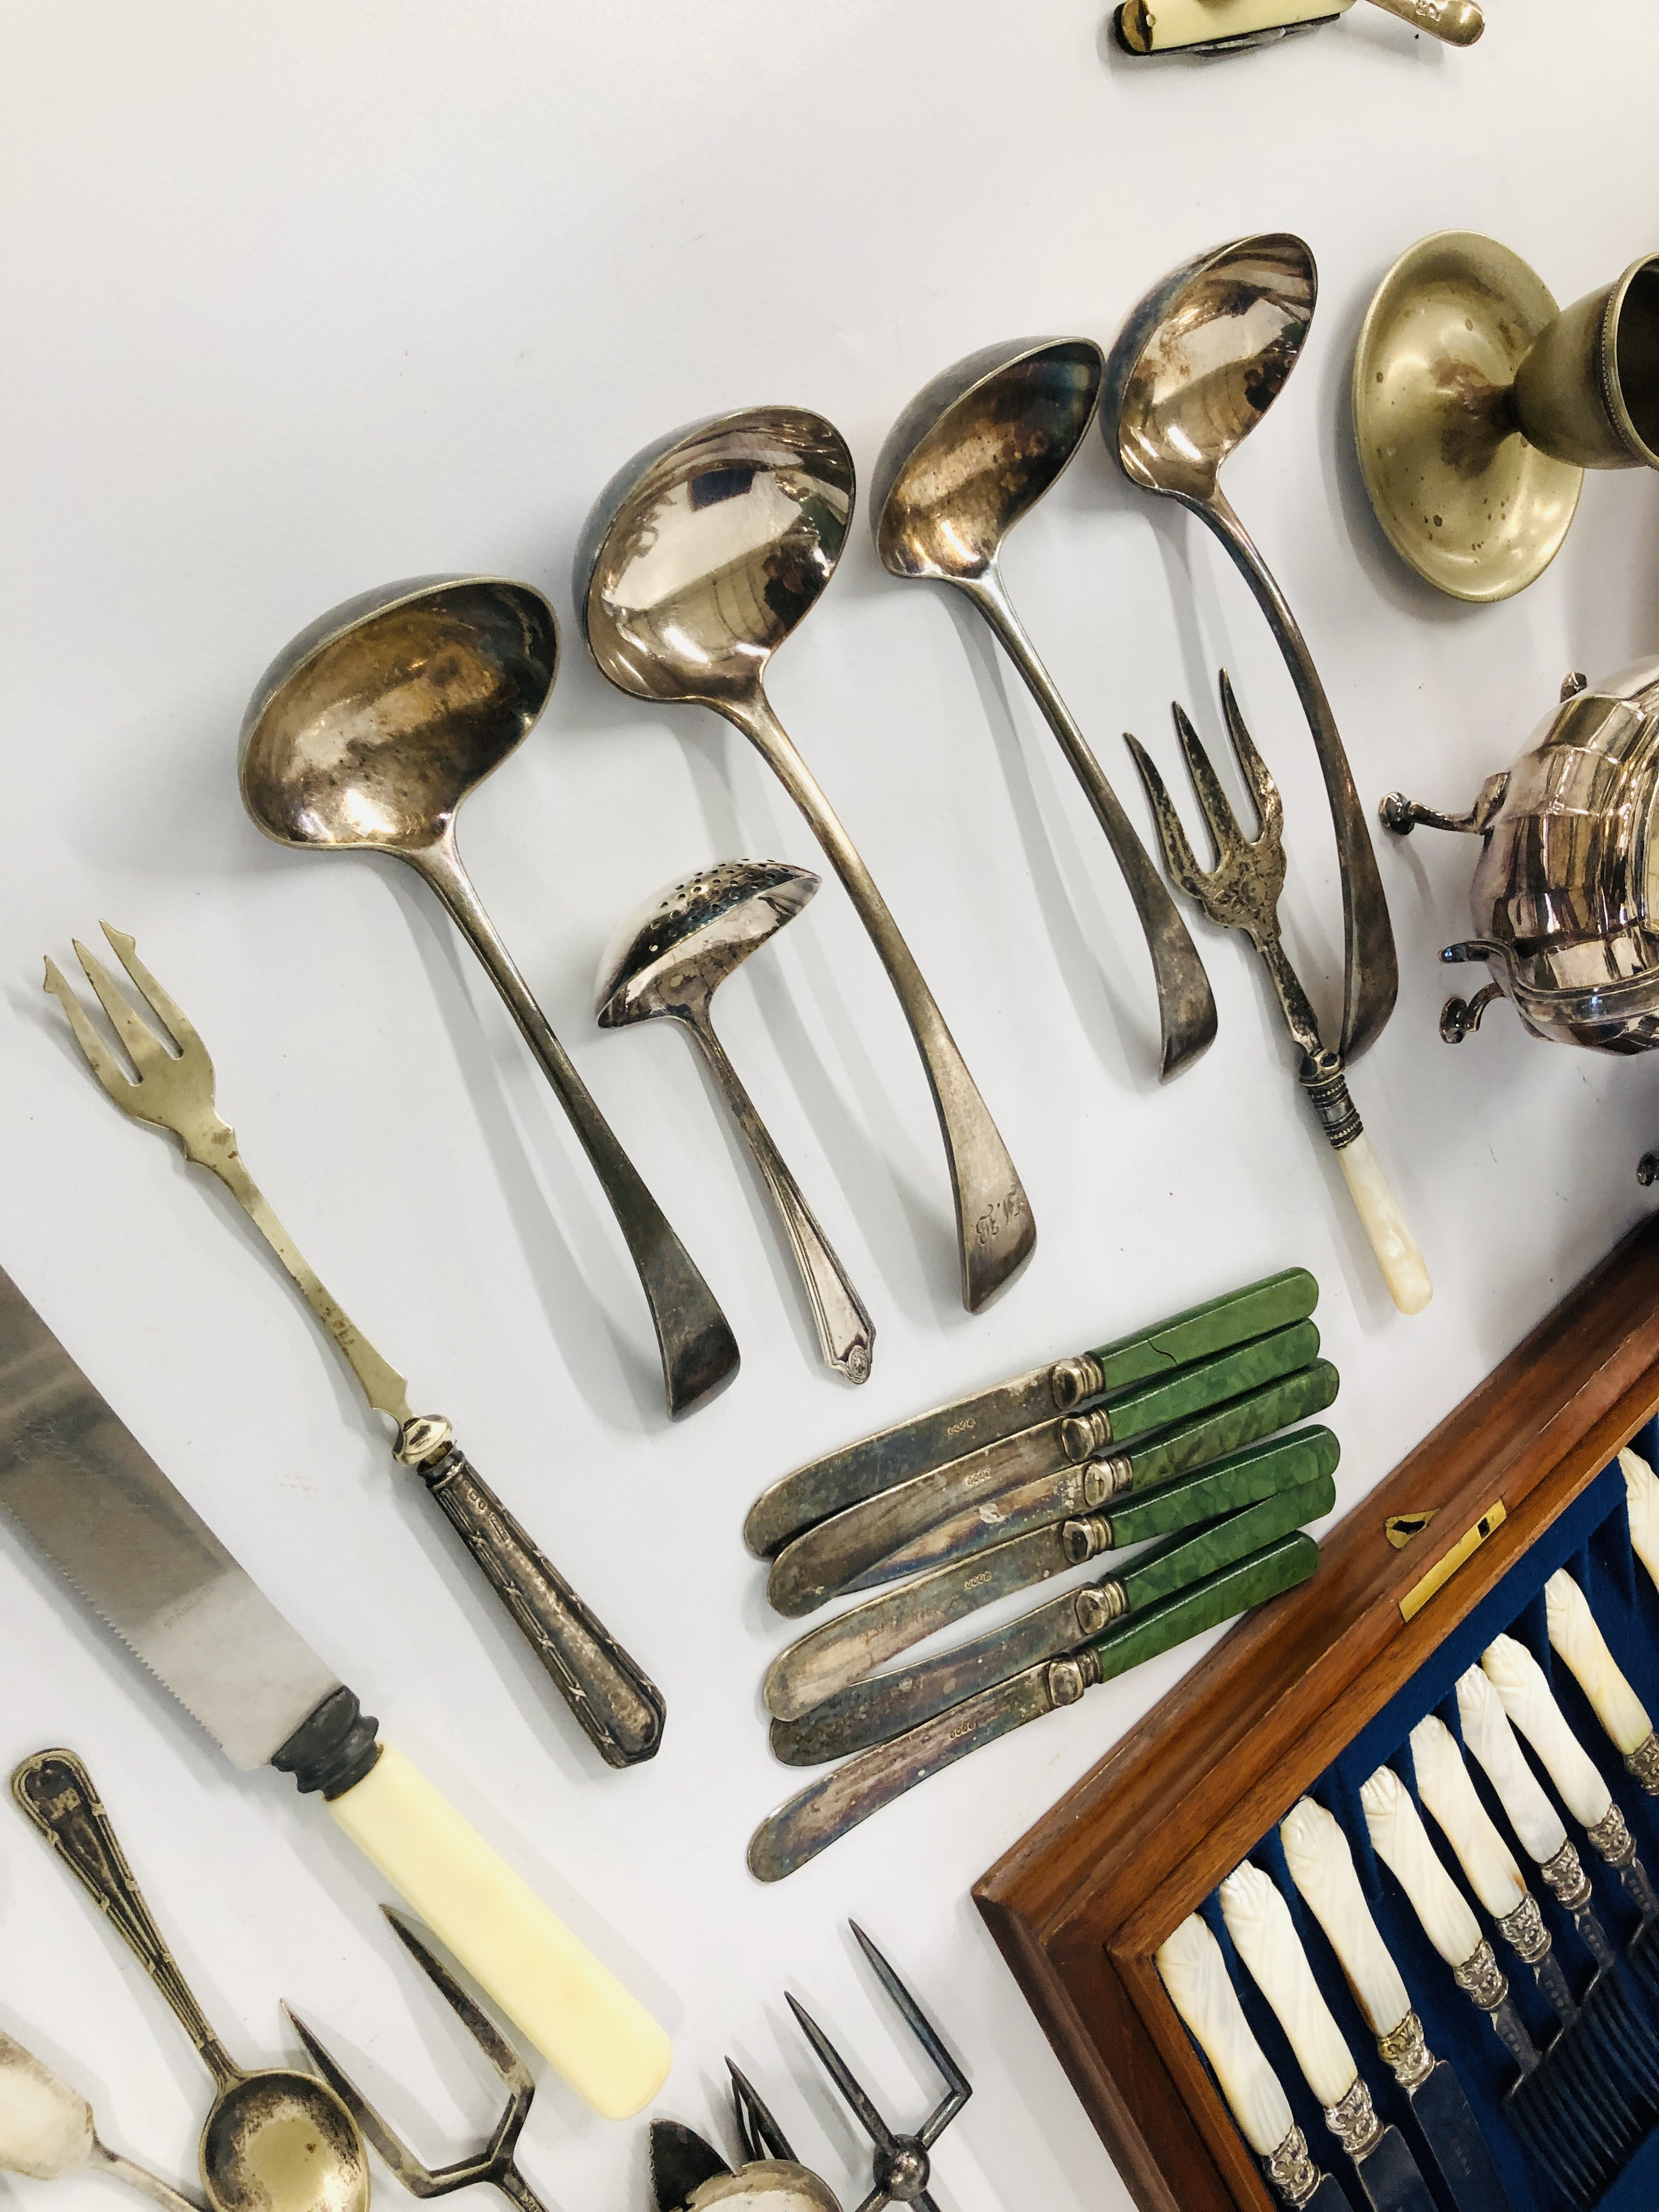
x: 56, y: 1792
x: 620, y: 1707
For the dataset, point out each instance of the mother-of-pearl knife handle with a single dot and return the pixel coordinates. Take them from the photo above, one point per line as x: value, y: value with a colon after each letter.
x: 1527, y: 1700
x: 1259, y: 1921
x: 1642, y: 1507
x: 1193, y: 1971
x: 1575, y: 1638
x: 1487, y: 1733
x: 1402, y: 1841
x: 1443, y: 1784
x: 1322, y: 1867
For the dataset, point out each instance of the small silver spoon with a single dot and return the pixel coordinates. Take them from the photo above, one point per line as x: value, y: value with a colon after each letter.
x: 974, y: 452
x: 667, y: 959
x: 699, y: 558
x: 46, y: 2130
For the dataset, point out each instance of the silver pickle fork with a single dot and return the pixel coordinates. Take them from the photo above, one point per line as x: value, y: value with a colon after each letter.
x: 1242, y: 892
x: 620, y: 1708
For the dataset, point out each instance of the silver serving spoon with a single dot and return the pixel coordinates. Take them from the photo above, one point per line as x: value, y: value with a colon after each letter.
x: 1194, y: 369
x: 697, y: 560
x: 46, y: 2130
x: 367, y: 732
x: 972, y: 454
x: 667, y: 959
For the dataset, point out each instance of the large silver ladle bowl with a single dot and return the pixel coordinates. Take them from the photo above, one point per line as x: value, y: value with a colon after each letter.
x: 1194, y: 369
x: 972, y: 454
x: 366, y: 733
x: 697, y: 560
x: 665, y: 961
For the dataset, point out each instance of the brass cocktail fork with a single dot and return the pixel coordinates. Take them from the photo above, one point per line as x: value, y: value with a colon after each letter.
x: 619, y: 1706
x: 1242, y: 892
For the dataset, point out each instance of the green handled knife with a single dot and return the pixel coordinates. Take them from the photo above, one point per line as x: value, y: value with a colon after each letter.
x: 886, y: 1706
x: 825, y: 1558
x: 810, y: 1493
x: 828, y: 1807
x: 1077, y: 1490
x: 840, y: 1652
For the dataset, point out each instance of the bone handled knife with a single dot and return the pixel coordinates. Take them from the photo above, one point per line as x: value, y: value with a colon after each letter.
x: 136, y: 1551
x: 1075, y: 1490
x: 1192, y: 1969
x: 1529, y: 1704
x: 827, y: 1808
x: 1322, y: 1867
x: 1443, y: 1784
x: 875, y: 1463
x: 1577, y: 1639
x: 1259, y: 1921
x: 1642, y: 1509
x: 827, y: 1557
x: 1487, y: 1733
x: 1290, y: 1483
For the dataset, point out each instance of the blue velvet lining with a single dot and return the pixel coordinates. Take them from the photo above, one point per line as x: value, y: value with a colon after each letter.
x: 1591, y: 1540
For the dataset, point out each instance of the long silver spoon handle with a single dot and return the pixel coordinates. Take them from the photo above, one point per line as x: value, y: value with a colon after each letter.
x: 698, y: 1350
x: 847, y: 1334
x: 1186, y: 1005
x: 139, y: 2178
x: 995, y: 1233
x: 56, y: 1792
x: 1371, y: 968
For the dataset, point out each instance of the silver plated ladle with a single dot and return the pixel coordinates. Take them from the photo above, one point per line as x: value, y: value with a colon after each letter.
x: 367, y: 733
x: 1193, y: 370
x: 667, y: 960
x: 699, y: 558
x: 973, y: 453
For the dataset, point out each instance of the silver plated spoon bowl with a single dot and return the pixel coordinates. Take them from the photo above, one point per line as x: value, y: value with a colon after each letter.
x: 697, y: 560
x: 667, y: 960
x: 367, y: 733
x: 970, y: 456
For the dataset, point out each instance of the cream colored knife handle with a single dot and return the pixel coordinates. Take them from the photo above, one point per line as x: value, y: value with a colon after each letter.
x: 575, y: 2011
x: 1322, y: 1867
x: 1642, y: 1505
x: 1402, y: 1841
x: 1576, y: 1639
x: 1487, y: 1733
x: 1192, y: 1969
x: 1455, y: 22
x: 1397, y: 1255
x: 1530, y: 1702
x: 1259, y: 1921
x: 1443, y: 1784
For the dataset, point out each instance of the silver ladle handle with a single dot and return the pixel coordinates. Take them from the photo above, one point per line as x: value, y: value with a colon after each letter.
x: 846, y: 1333
x: 698, y: 1350
x: 56, y: 1792
x: 995, y: 1233
x: 1186, y: 1005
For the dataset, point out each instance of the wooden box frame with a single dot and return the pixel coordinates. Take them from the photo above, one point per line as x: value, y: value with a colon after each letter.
x: 1082, y: 1902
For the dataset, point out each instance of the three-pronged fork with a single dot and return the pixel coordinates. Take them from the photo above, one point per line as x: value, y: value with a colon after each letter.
x: 1242, y: 892
x: 617, y: 1704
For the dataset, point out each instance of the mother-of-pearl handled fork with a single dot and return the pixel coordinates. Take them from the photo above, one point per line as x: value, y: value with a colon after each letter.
x: 46, y: 2130
x: 617, y: 1704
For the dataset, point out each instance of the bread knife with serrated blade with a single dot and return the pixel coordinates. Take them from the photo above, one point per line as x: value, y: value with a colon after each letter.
x: 132, y: 1547
x: 968, y: 1425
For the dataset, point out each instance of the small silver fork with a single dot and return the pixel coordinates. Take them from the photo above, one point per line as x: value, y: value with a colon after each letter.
x: 1242, y: 892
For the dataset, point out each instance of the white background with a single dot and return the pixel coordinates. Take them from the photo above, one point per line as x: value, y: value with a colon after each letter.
x: 299, y: 299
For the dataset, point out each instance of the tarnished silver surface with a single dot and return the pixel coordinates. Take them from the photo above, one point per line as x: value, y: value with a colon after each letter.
x: 1564, y: 898
x: 667, y: 961
x: 1405, y: 2052
x: 1292, y: 2171
x: 970, y: 456
x: 698, y: 559
x: 1007, y: 1513
x: 1524, y: 1931
x: 95, y: 1503
x: 1196, y: 367
x: 1565, y: 1875
x: 1644, y: 1763
x: 1353, y: 2122
x: 1482, y: 1978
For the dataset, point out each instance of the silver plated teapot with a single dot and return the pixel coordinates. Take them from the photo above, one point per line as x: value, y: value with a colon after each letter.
x: 1565, y: 894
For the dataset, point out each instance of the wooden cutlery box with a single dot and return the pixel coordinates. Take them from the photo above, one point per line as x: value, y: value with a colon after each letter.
x: 1080, y: 1904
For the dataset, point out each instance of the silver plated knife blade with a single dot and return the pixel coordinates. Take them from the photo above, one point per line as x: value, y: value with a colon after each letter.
x: 875, y: 1463
x: 1455, y: 2142
x: 94, y: 1500
x: 1390, y: 2176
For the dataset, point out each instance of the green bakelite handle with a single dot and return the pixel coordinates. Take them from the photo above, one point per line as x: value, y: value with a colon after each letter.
x: 1196, y: 1555
x: 1204, y: 1330
x: 1176, y: 1397
x: 1245, y: 1421
x: 1280, y: 1566
x: 1259, y: 1471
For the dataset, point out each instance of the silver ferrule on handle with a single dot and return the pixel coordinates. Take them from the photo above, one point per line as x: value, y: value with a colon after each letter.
x: 1353, y: 2122
x: 1404, y: 2049
x: 1612, y: 1839
x: 1325, y: 1079
x: 1291, y: 2170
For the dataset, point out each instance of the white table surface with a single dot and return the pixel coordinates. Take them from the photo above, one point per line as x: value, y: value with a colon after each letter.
x: 303, y: 298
